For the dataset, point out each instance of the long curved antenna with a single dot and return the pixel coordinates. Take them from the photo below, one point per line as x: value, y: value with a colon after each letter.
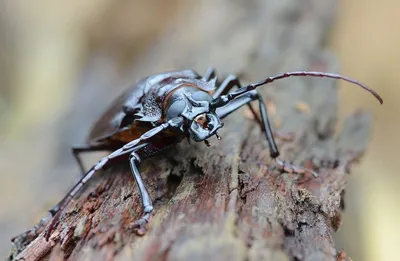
x: 224, y: 99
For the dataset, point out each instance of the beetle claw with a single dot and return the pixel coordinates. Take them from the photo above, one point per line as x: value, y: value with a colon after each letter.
x: 289, y: 168
x: 140, y: 226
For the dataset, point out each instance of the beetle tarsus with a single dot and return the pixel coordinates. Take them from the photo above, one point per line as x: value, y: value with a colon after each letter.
x: 224, y: 99
x: 289, y: 168
x: 34, y: 232
x: 140, y: 226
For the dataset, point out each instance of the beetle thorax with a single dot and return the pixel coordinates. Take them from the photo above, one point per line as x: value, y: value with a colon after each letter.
x: 187, y: 101
x: 193, y: 105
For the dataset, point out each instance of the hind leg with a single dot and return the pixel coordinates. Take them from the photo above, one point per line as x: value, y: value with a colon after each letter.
x: 78, y: 149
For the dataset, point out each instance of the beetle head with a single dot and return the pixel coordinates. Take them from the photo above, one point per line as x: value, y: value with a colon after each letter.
x: 200, y: 122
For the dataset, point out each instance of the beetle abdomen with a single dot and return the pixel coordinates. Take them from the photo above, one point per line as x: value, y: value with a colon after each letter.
x: 130, y: 133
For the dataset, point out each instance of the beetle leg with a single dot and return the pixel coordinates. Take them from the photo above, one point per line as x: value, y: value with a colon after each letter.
x: 210, y: 74
x: 228, y: 84
x: 289, y: 168
x: 56, y: 211
x: 29, y: 235
x: 266, y: 126
x: 78, y: 149
x: 140, y: 224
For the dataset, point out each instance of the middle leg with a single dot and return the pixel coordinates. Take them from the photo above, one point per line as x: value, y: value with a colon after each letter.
x: 140, y: 224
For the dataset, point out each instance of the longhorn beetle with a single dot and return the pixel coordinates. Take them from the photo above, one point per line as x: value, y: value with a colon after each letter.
x: 160, y: 111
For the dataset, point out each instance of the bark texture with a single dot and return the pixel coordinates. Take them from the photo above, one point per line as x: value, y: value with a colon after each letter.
x: 228, y: 202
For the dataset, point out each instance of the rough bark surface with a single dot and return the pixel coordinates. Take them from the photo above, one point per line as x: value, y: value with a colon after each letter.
x: 228, y: 202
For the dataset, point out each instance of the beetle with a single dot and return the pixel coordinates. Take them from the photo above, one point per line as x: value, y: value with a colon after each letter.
x: 161, y: 110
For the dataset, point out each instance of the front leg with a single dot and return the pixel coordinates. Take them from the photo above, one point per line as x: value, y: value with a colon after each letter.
x: 140, y: 225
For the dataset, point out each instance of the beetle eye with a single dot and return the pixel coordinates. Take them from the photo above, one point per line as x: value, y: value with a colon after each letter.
x: 201, y: 96
x: 176, y: 109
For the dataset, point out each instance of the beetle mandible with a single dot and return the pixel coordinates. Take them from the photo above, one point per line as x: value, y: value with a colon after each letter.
x: 160, y: 111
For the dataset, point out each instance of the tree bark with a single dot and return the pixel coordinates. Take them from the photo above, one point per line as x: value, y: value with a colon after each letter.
x: 228, y: 202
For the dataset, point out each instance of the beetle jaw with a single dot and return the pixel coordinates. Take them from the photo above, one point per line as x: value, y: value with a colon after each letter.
x: 202, y: 129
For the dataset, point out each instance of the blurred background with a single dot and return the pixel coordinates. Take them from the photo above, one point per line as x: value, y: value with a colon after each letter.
x: 46, y: 48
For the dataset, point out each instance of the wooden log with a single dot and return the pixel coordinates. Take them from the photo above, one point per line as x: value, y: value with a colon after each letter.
x: 228, y: 202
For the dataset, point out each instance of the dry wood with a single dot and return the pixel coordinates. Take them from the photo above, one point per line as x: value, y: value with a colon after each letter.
x: 228, y: 202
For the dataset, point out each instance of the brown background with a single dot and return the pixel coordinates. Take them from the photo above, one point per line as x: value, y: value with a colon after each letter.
x: 43, y: 50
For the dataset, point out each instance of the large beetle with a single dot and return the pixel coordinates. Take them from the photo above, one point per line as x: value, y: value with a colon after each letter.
x: 160, y: 111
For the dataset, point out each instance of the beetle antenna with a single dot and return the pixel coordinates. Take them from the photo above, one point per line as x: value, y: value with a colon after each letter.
x: 224, y: 99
